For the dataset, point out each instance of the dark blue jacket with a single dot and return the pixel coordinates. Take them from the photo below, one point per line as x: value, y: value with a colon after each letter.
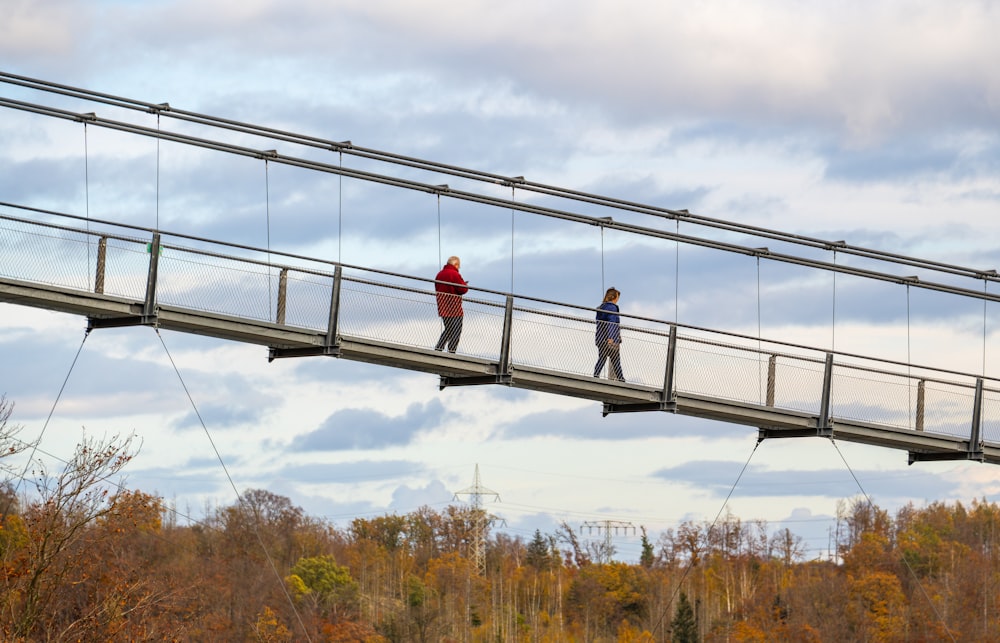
x: 608, y: 324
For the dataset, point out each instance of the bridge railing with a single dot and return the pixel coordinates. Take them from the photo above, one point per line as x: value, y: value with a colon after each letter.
x: 298, y: 292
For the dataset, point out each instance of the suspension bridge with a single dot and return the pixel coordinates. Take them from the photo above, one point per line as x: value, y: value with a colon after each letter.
x: 116, y: 274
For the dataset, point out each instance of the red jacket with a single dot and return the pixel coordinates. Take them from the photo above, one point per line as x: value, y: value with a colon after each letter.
x: 449, y: 295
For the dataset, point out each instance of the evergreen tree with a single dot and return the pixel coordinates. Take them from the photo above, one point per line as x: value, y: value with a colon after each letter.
x: 684, y: 627
x: 538, y: 553
x: 646, y: 558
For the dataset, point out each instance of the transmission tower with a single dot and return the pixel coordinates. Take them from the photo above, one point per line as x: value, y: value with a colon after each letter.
x: 482, y: 519
x: 609, y: 527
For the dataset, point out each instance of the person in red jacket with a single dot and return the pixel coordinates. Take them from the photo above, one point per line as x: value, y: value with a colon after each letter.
x: 450, y: 287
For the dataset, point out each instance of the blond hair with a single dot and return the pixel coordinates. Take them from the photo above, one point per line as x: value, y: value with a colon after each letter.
x: 611, y: 295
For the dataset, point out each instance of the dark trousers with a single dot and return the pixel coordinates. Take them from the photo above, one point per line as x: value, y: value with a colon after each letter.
x: 451, y: 334
x: 605, y: 352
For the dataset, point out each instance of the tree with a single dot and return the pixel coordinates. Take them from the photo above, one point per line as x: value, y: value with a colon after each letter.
x: 684, y: 626
x: 325, y: 584
x: 68, y: 503
x: 647, y: 558
x: 540, y: 553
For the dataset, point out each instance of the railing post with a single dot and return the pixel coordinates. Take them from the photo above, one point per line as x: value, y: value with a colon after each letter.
x: 668, y: 373
x: 102, y: 252
x: 282, y: 295
x: 823, y: 421
x: 772, y: 373
x: 508, y: 325
x: 149, y: 307
x: 331, y: 329
x: 919, y: 424
x: 975, y: 435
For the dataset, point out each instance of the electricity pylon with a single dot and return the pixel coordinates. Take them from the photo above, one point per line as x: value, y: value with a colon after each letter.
x: 482, y: 519
x: 608, y: 527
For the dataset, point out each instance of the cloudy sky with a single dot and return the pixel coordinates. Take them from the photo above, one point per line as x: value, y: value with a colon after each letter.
x: 872, y: 123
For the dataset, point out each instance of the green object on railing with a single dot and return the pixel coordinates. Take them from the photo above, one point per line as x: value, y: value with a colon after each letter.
x: 149, y: 249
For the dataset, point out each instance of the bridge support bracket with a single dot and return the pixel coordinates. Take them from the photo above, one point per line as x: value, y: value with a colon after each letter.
x: 765, y: 432
x: 638, y: 407
x: 121, y: 322
x: 916, y: 456
x: 474, y: 380
x: 310, y: 351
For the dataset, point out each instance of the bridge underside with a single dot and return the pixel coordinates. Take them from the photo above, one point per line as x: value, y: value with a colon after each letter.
x: 283, y: 341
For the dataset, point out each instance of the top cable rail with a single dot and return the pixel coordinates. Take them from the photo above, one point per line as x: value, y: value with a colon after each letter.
x: 347, y: 147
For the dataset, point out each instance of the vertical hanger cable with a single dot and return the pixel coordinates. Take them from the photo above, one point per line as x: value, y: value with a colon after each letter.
x: 760, y: 363
x: 267, y: 216
x: 340, y: 208
x: 86, y: 194
x: 677, y: 270
x: 157, y: 172
x: 833, y: 308
x: 603, y: 287
x: 512, y: 197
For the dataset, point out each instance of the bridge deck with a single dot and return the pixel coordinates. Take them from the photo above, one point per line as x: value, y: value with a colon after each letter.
x: 302, y: 310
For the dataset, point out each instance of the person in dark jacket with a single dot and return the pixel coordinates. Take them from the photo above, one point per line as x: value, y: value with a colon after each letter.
x: 450, y: 287
x: 608, y: 337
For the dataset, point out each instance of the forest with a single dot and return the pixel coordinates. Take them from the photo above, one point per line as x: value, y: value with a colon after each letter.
x: 86, y: 559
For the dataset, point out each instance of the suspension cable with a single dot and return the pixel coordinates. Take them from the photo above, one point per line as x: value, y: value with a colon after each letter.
x: 512, y: 200
x: 602, y: 261
x: 340, y: 210
x: 158, y: 172
x: 476, y: 175
x: 760, y: 363
x: 913, y: 573
x: 86, y: 193
x: 267, y: 217
x: 909, y: 369
x: 833, y: 308
x: 690, y: 564
x: 677, y: 270
x: 239, y: 496
x: 37, y: 441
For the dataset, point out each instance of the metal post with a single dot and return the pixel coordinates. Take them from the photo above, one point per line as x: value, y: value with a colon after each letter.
x: 331, y: 329
x: 975, y: 435
x: 282, y: 295
x: 508, y: 325
x: 668, y: 374
x: 919, y: 425
x: 772, y: 370
x: 102, y: 251
x: 823, y: 421
x: 149, y: 307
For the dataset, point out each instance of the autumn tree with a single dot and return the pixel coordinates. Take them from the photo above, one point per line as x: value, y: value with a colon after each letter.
x: 67, y: 504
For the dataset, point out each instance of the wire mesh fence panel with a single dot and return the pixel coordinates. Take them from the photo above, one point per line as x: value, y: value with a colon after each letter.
x: 885, y: 398
x: 644, y: 356
x: 388, y: 314
x: 125, y: 270
x: 217, y: 284
x: 47, y: 255
x: 719, y: 370
x: 990, y: 426
x: 798, y: 384
x: 948, y: 408
x: 553, y: 341
x: 482, y: 329
x: 307, y: 300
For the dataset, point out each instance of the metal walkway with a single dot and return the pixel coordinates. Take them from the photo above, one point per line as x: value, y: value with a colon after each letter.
x: 116, y: 275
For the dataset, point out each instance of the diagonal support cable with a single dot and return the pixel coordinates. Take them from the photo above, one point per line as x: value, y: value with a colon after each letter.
x: 239, y: 496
